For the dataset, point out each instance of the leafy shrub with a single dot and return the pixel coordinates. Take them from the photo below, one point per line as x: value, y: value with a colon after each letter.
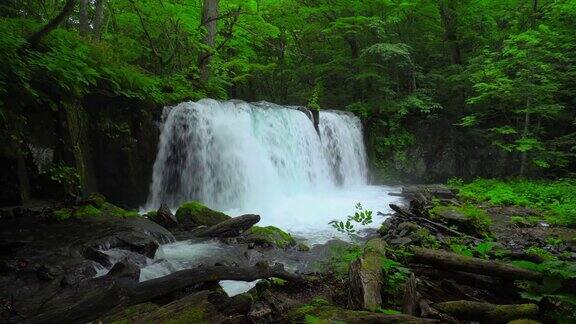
x: 361, y: 216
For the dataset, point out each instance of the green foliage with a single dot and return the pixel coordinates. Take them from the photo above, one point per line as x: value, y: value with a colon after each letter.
x: 461, y: 249
x: 555, y: 272
x: 395, y: 276
x: 342, y: 257
x: 557, y: 199
x: 361, y: 216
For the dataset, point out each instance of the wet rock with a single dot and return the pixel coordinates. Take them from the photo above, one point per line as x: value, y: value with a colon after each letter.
x: 164, y: 217
x: 93, y: 254
x: 302, y: 247
x: 47, y: 273
x: 269, y: 236
x: 194, y: 214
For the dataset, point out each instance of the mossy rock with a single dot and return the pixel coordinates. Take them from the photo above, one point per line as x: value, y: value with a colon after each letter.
x: 193, y: 214
x: 151, y: 214
x: 468, y: 218
x: 271, y: 236
x: 97, y: 200
x: 302, y: 247
x: 91, y: 210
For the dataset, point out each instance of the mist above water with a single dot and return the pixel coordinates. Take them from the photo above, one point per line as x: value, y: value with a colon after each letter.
x: 267, y: 159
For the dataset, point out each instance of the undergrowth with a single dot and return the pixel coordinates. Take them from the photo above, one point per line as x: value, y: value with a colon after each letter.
x: 556, y: 199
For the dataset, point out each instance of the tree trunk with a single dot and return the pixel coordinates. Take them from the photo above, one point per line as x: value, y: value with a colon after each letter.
x: 210, y: 22
x: 99, y: 18
x: 448, y: 16
x: 84, y: 23
x: 35, y: 38
x: 524, y: 154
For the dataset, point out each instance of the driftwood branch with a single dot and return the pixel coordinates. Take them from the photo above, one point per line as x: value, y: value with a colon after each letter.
x: 451, y: 261
x: 124, y: 290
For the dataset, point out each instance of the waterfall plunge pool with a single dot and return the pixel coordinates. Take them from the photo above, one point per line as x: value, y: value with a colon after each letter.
x: 264, y: 159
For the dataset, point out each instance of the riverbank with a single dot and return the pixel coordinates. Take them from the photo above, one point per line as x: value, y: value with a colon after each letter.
x: 446, y: 255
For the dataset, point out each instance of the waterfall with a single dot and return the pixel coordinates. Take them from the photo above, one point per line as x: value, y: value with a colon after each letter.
x: 233, y: 154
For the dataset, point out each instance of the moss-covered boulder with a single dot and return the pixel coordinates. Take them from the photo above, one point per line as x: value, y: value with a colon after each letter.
x: 93, y: 207
x: 468, y: 218
x: 193, y: 214
x: 269, y: 236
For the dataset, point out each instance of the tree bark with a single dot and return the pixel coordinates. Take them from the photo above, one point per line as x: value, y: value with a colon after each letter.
x: 231, y: 227
x: 210, y: 22
x: 99, y: 18
x: 91, y: 302
x: 84, y: 23
x: 34, y: 39
x: 486, y: 312
x: 451, y: 261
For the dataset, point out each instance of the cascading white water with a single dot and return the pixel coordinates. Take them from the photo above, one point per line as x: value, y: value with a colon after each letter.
x: 267, y: 159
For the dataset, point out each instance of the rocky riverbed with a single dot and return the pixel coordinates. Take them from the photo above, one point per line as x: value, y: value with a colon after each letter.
x: 436, y: 259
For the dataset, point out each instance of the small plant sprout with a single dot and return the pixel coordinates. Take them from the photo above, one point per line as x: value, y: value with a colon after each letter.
x: 361, y: 216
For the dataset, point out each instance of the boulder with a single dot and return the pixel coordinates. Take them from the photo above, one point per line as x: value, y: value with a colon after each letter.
x: 164, y: 217
x: 269, y: 236
x: 193, y: 214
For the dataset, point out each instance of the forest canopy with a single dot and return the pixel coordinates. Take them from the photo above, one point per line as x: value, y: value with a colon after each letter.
x: 498, y: 72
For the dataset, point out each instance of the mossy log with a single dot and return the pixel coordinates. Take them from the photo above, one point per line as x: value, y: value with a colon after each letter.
x: 451, y: 261
x: 231, y: 227
x: 486, y: 312
x: 333, y: 314
x: 101, y: 295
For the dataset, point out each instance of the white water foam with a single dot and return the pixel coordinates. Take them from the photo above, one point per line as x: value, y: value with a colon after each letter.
x: 261, y: 159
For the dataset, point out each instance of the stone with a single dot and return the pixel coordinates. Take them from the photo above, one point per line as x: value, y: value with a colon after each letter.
x: 269, y: 236
x: 193, y: 214
x: 164, y: 217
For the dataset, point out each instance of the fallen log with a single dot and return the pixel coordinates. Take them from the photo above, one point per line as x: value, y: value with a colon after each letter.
x: 103, y: 294
x: 231, y: 227
x: 437, y: 226
x: 454, y: 262
x: 486, y: 312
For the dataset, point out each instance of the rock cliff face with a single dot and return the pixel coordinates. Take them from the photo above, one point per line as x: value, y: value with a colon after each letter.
x: 431, y: 152
x: 110, y: 141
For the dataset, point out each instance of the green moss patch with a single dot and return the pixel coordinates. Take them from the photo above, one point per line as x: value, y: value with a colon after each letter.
x: 271, y: 235
x: 468, y: 217
x: 193, y: 214
x: 94, y: 209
